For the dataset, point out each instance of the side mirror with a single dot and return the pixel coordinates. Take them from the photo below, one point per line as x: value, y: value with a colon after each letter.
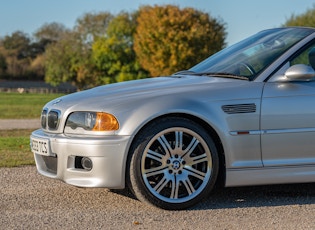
x: 300, y: 72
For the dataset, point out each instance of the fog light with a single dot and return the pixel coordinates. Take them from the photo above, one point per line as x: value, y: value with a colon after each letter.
x: 86, y: 163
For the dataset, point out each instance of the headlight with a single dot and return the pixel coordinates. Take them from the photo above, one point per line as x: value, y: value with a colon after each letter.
x: 91, y: 121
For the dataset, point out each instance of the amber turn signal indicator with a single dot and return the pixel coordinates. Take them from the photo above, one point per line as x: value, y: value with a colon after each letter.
x: 105, y: 122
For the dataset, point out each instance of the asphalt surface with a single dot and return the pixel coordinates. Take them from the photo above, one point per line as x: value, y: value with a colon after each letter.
x: 7, y: 124
x: 31, y: 201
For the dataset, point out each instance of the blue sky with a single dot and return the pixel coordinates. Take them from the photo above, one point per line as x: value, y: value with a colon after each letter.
x: 242, y: 17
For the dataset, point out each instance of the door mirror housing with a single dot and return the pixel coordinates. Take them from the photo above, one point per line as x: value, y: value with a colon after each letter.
x: 300, y: 72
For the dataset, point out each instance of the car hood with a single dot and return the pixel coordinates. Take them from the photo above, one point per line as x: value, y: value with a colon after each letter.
x: 114, y: 95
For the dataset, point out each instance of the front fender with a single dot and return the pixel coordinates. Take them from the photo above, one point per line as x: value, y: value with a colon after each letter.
x: 240, y: 150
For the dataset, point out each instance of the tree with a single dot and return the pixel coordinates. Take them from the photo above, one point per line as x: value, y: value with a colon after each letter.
x: 69, y: 60
x: 17, y: 40
x: 17, y: 54
x: 93, y: 25
x: 38, y: 66
x: 47, y: 34
x: 68, y: 57
x: 305, y: 19
x: 114, y: 55
x: 18, y: 43
x: 169, y: 39
x: 50, y: 32
x: 3, y: 64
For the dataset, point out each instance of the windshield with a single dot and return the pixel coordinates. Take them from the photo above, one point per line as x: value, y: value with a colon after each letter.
x: 252, y: 55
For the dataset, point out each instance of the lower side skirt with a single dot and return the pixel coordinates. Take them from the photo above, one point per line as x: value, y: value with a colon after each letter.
x: 270, y: 175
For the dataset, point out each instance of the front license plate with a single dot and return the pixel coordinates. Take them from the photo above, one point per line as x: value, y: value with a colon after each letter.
x: 40, y: 146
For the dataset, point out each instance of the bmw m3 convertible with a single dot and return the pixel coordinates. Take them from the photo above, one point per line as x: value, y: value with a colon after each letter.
x: 244, y: 116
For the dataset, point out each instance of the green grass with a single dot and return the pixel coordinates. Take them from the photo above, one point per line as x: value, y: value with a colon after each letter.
x: 15, y: 148
x: 23, y: 106
x: 15, y: 144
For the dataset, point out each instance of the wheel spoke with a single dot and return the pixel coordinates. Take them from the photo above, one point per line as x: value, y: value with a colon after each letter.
x: 163, y: 182
x: 196, y: 159
x: 178, y: 140
x: 188, y: 185
x: 166, y: 146
x: 200, y: 159
x: 175, y: 188
x: 191, y: 147
x: 155, y: 171
x: 154, y: 155
x: 195, y: 173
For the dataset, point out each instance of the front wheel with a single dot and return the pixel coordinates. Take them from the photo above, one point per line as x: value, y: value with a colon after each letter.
x: 174, y: 163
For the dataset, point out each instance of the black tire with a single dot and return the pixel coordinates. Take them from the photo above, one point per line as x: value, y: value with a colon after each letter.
x: 174, y: 163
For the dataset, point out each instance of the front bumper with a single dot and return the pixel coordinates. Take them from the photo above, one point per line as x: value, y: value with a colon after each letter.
x: 108, y: 155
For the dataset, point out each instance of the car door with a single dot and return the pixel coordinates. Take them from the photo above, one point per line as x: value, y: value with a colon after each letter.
x: 288, y: 120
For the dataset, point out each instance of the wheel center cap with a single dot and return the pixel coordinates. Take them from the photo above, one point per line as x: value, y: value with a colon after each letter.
x: 176, y: 165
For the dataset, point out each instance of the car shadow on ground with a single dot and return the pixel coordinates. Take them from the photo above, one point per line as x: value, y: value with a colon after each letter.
x: 253, y: 196
x: 259, y: 196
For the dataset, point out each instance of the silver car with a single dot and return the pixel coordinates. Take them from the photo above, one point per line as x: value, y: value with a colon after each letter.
x: 244, y: 116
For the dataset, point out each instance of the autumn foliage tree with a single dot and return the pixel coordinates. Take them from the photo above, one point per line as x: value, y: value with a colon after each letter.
x: 169, y: 39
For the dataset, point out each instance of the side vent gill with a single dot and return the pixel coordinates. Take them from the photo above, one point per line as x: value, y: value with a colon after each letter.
x: 239, y: 108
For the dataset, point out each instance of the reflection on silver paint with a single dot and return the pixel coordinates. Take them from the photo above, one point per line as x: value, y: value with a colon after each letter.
x: 275, y: 131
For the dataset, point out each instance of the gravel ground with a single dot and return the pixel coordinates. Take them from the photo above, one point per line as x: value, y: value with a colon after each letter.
x: 31, y: 201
